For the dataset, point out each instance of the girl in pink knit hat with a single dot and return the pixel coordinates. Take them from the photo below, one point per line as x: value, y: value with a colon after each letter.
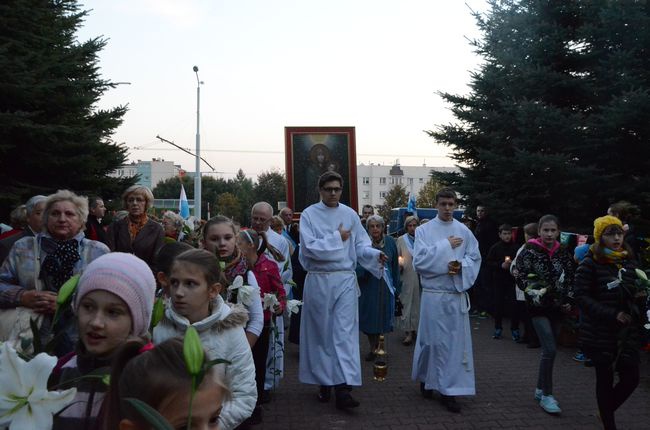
x: 113, y: 302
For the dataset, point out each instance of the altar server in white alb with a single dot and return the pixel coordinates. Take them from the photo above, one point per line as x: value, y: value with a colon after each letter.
x: 447, y: 258
x: 332, y: 240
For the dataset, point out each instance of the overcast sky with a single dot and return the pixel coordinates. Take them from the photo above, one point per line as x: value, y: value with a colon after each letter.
x: 372, y: 64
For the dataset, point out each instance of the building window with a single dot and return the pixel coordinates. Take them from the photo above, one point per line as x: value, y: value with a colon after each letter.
x: 392, y: 180
x: 366, y: 195
x: 421, y: 180
x: 410, y: 181
x: 382, y: 194
x: 366, y: 180
x: 382, y: 181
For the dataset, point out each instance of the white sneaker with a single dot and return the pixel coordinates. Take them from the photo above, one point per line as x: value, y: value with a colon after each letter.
x: 549, y: 404
x: 538, y: 394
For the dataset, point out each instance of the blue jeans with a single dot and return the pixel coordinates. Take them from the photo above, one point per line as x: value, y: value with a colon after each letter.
x: 547, y: 330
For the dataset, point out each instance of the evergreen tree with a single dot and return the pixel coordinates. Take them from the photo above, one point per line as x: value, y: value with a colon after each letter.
x: 554, y: 121
x: 52, y: 136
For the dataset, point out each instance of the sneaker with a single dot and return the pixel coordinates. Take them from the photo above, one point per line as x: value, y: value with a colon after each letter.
x: 497, y: 333
x: 482, y: 315
x: 549, y: 404
x: 538, y: 394
x: 579, y: 357
x: 515, y: 335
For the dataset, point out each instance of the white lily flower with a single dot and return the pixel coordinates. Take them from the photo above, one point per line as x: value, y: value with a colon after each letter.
x: 293, y: 306
x: 246, y: 294
x: 25, y: 402
x: 236, y: 283
x: 270, y: 301
x: 647, y: 326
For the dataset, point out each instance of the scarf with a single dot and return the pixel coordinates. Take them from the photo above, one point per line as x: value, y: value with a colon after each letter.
x: 59, y: 263
x: 608, y: 256
x: 237, y: 266
x: 379, y: 244
x: 136, y: 225
x: 551, y: 251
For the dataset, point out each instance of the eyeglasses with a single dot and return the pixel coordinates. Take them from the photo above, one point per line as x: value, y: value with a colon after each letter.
x: 332, y: 189
x: 135, y: 200
x: 614, y: 234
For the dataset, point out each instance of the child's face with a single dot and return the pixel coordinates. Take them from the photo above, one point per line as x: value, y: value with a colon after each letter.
x: 505, y: 235
x: 549, y: 232
x: 206, y: 407
x: 612, y: 238
x: 190, y: 293
x: 220, y: 239
x: 104, y: 322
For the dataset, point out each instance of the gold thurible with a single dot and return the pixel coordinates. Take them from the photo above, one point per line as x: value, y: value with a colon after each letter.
x: 380, y: 369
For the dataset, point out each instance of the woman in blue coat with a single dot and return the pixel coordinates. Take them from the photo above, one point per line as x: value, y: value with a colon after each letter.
x: 377, y: 300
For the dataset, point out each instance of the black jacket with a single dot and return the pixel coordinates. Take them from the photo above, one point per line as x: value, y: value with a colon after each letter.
x: 487, y: 234
x: 494, y: 260
x: 534, y: 259
x: 600, y: 304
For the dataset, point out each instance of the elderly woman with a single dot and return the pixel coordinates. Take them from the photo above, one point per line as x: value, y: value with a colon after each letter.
x: 377, y: 300
x: 410, y: 296
x: 37, y: 266
x: 137, y: 233
x: 173, y: 226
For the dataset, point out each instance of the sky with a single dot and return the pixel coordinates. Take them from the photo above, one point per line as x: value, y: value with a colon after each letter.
x: 376, y: 65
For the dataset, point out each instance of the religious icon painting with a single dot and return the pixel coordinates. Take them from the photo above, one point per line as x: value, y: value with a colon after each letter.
x: 312, y: 151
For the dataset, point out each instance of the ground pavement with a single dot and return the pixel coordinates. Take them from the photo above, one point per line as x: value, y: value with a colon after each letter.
x: 506, y: 373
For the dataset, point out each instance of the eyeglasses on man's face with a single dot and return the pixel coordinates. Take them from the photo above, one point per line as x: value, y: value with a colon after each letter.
x: 332, y: 189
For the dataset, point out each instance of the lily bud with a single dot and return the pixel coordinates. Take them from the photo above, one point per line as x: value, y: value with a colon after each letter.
x: 193, y: 351
x: 67, y: 289
x: 158, y: 311
x: 641, y: 274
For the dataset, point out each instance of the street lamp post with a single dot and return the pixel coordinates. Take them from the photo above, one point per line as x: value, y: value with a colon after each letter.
x: 197, y: 177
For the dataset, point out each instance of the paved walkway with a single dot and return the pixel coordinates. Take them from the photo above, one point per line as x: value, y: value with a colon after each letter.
x: 506, y: 373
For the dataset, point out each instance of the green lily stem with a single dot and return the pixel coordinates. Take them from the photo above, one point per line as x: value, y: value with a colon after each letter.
x: 189, y: 418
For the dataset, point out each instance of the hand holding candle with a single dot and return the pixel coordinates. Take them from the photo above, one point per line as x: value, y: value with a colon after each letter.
x: 506, y: 263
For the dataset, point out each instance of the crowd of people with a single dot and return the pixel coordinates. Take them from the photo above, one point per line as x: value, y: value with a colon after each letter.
x: 236, y: 285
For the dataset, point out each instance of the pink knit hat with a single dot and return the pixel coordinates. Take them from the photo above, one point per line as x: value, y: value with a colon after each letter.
x: 126, y: 276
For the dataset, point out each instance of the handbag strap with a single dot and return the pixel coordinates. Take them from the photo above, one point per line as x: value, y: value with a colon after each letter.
x: 38, y: 284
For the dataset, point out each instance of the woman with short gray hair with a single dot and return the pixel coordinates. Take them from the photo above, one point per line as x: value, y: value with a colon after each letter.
x: 38, y: 266
x: 137, y: 233
x: 172, y: 225
x: 377, y: 299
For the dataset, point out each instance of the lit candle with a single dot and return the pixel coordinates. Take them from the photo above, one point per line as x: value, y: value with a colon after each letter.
x: 400, y: 260
x: 507, y: 259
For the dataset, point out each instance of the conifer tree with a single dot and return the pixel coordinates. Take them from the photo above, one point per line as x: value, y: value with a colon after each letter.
x: 555, y: 121
x: 52, y: 135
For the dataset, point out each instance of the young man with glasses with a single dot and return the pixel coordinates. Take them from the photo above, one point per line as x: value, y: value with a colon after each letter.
x: 332, y: 241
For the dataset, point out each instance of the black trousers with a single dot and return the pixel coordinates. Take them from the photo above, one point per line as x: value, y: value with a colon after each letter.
x: 611, y: 396
x: 260, y: 351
